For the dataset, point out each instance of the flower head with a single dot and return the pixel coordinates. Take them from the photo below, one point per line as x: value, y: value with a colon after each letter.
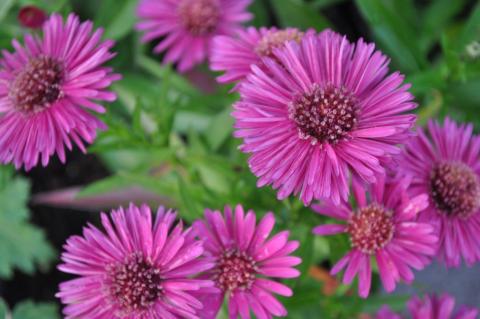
x: 188, y: 26
x: 386, y: 313
x: 31, y: 17
x: 443, y: 163
x: 434, y: 307
x: 384, y: 227
x: 431, y: 307
x: 244, y: 261
x: 137, y: 268
x: 235, y: 54
x: 47, y: 89
x: 324, y: 109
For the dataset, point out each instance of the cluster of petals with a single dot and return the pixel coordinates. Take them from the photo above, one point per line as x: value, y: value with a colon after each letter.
x: 323, y: 110
x: 443, y: 162
x: 431, y: 307
x: 138, y: 268
x: 48, y: 88
x: 383, y: 227
x: 246, y: 258
x: 144, y: 268
x: 235, y: 55
x: 186, y: 27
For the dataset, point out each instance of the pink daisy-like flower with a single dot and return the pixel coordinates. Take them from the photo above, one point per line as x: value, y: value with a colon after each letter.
x: 444, y: 162
x: 244, y: 262
x: 434, y: 307
x: 326, y: 111
x: 47, y: 89
x: 384, y: 227
x: 137, y: 269
x: 188, y: 26
x: 236, y: 54
x: 386, y: 313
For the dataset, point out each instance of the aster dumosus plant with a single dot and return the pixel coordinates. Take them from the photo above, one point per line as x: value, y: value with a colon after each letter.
x: 235, y: 54
x: 431, y: 307
x: 187, y: 27
x: 48, y: 89
x: 246, y: 262
x: 139, y: 268
x: 439, y: 307
x: 321, y: 111
x: 443, y: 162
x: 382, y: 227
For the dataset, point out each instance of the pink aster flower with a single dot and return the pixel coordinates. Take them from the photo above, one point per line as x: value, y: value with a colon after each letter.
x: 244, y: 262
x: 444, y: 162
x: 386, y: 313
x: 434, y: 307
x: 187, y: 27
x: 236, y: 54
x: 325, y: 111
x: 383, y: 227
x: 137, y: 269
x: 48, y: 88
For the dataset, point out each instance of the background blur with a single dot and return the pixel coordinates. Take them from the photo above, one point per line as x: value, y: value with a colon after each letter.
x: 170, y: 143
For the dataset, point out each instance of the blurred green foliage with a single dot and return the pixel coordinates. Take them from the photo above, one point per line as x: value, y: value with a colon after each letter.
x: 29, y: 310
x: 170, y: 137
x: 22, y: 245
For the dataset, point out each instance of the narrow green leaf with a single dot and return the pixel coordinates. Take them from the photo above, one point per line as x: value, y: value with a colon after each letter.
x: 212, y: 178
x: 123, y: 21
x: 165, y: 71
x: 104, y: 186
x: 471, y: 29
x: 260, y: 13
x: 5, y: 6
x: 220, y: 129
x: 31, y: 310
x: 295, y: 13
x: 435, y: 19
x: 3, y: 309
x: 394, y: 34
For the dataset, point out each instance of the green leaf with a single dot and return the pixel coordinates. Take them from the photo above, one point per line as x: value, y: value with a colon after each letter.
x: 260, y: 13
x: 3, y: 309
x: 394, y: 34
x: 212, y: 177
x: 31, y: 310
x: 104, y: 186
x: 325, y: 3
x: 123, y: 21
x: 5, y: 6
x: 471, y: 29
x: 220, y: 129
x: 296, y: 13
x: 165, y: 72
x: 22, y: 245
x: 435, y: 19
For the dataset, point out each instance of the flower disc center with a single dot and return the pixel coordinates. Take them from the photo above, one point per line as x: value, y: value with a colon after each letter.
x: 455, y: 189
x: 135, y: 284
x: 199, y: 17
x: 38, y: 85
x: 324, y: 114
x: 371, y: 228
x: 276, y: 39
x: 235, y: 269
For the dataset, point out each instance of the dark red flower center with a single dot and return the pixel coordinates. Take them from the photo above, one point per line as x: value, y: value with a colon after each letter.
x: 235, y: 269
x: 135, y: 284
x: 371, y: 228
x: 199, y: 17
x: 324, y: 114
x: 276, y: 39
x: 38, y: 85
x: 455, y: 189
